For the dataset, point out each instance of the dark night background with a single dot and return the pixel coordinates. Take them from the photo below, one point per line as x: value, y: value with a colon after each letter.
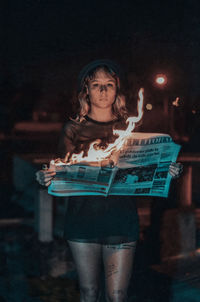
x: 43, y: 46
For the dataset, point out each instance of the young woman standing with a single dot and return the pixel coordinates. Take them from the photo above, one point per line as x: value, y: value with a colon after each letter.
x: 99, y: 229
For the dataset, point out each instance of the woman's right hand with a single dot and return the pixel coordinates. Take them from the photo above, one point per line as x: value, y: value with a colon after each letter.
x: 44, y: 177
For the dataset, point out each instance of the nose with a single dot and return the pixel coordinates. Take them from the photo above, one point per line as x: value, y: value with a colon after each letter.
x: 102, y: 88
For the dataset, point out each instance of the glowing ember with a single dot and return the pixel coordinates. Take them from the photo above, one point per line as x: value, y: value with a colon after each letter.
x: 97, y: 153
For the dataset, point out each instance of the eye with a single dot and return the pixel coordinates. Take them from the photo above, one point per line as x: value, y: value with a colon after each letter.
x: 94, y: 85
x: 111, y: 85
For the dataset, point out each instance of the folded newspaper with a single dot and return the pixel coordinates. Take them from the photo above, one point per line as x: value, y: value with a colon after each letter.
x: 142, y: 168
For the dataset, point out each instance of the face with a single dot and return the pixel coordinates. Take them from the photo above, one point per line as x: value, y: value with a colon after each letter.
x: 102, y: 90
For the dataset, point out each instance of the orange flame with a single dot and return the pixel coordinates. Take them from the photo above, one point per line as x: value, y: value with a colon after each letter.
x: 97, y: 154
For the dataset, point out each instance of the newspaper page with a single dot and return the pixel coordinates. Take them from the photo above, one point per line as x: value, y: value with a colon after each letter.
x: 144, y: 164
x: 80, y: 179
x: 142, y: 169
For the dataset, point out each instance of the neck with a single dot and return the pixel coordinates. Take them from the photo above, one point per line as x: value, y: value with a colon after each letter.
x: 102, y: 115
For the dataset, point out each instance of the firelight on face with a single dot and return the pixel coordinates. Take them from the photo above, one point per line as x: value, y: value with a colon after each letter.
x: 96, y: 153
x: 102, y: 90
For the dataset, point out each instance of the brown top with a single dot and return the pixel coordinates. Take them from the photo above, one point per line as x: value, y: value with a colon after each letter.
x: 111, y: 219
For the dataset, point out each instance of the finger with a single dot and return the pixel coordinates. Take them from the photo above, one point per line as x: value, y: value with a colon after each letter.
x: 177, y: 170
x: 43, y: 179
x: 174, y: 175
x: 47, y: 179
x: 46, y: 172
x: 47, y: 183
x: 48, y: 176
x: 176, y: 165
x: 173, y: 170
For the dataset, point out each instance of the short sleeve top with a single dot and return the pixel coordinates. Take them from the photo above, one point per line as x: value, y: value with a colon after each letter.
x: 111, y: 219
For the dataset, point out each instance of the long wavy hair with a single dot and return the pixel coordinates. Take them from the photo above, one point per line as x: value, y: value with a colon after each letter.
x: 119, y: 105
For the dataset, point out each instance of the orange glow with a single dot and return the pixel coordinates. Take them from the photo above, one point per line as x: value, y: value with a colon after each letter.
x: 149, y: 106
x: 96, y: 153
x: 176, y: 102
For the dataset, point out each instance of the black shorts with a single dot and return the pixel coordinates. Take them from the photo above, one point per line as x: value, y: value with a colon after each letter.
x: 105, y: 220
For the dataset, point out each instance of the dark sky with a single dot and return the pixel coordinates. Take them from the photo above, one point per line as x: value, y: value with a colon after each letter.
x: 138, y: 33
x: 34, y: 28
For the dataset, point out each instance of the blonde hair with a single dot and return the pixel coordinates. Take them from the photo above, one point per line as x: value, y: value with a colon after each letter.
x: 119, y: 105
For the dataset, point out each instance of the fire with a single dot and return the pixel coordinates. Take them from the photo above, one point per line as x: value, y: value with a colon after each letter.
x: 96, y: 153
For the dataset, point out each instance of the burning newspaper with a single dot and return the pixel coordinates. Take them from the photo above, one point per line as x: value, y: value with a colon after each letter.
x: 140, y: 168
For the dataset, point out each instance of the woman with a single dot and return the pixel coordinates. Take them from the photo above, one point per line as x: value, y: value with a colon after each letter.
x: 99, y: 228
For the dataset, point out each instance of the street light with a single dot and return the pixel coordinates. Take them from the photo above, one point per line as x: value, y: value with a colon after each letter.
x: 160, y: 80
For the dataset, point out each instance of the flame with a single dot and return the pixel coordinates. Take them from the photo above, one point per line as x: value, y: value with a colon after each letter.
x: 98, y: 154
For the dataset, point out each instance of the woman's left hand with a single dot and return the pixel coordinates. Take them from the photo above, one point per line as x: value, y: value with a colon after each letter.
x: 175, y: 169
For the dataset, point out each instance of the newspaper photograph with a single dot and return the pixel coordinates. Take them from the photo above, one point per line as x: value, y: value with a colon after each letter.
x: 141, y: 169
x: 143, y: 165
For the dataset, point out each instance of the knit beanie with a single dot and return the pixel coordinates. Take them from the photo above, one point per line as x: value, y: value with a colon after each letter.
x: 93, y: 65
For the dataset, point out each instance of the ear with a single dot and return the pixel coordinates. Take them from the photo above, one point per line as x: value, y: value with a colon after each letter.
x: 87, y: 90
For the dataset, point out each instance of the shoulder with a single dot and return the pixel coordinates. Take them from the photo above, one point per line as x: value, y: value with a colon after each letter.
x: 70, y: 125
x: 70, y: 128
